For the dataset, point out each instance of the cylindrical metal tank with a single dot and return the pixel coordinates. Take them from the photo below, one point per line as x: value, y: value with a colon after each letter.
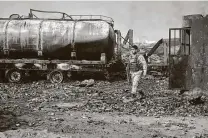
x: 23, y: 38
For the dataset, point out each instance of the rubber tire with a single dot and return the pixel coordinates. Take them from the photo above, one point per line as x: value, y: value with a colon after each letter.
x: 50, y: 76
x: 8, y: 74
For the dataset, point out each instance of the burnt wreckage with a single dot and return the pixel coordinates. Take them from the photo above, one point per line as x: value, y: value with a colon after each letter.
x: 56, y: 46
x: 188, y: 54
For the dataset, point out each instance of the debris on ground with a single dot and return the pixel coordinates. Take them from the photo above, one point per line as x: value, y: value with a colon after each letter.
x: 87, y: 83
x: 42, y: 99
x: 154, y: 58
x: 104, y: 97
x: 196, y: 96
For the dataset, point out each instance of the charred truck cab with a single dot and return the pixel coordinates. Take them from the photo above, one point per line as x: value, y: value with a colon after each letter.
x: 188, y: 54
x: 56, y: 46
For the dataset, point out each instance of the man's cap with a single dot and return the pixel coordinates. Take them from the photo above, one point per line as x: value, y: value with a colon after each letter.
x: 135, y: 46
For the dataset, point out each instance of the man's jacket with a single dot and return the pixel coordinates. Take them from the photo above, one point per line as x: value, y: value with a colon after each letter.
x: 137, y: 62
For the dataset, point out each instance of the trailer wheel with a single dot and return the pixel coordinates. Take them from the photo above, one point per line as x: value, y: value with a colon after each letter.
x: 55, y: 77
x: 14, y: 75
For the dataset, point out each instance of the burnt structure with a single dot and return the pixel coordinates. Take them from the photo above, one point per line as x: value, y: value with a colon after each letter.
x: 57, y: 46
x: 188, y: 60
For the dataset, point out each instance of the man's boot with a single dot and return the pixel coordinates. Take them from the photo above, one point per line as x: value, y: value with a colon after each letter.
x: 141, y: 93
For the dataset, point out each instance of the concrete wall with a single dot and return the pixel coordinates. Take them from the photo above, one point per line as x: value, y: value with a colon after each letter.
x: 198, y: 59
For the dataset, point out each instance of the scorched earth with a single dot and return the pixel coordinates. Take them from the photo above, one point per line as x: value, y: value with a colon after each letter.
x: 99, y: 108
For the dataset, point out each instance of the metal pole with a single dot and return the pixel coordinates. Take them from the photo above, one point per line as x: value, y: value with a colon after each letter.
x: 165, y: 53
x: 130, y: 36
x: 119, y: 43
x: 169, y: 57
x: 131, y: 43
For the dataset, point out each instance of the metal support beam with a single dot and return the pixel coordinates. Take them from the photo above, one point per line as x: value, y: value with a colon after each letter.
x: 155, y: 47
x: 126, y: 38
x: 119, y: 43
x: 165, y: 46
x: 130, y: 36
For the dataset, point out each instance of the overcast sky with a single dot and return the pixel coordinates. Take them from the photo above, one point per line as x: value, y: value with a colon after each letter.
x: 149, y: 20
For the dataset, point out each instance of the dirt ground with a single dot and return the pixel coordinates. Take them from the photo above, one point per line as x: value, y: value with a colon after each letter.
x: 42, y: 110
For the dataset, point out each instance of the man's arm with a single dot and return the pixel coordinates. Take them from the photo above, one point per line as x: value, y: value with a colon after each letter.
x: 144, y: 63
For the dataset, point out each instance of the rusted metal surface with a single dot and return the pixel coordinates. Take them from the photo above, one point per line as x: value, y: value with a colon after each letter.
x: 2, y: 34
x: 24, y: 38
x: 118, y: 48
x: 50, y: 61
x: 47, y: 65
x: 65, y: 16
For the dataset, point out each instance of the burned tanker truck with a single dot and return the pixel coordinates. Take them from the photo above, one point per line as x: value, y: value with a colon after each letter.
x: 56, y: 47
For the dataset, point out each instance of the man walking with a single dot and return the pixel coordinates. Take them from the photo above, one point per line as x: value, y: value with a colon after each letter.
x: 137, y: 67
